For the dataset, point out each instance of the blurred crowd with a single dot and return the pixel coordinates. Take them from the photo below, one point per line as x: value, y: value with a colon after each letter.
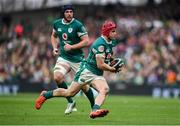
x: 149, y: 45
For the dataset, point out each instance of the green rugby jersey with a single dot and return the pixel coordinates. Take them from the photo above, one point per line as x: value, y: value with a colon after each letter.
x: 102, y: 47
x: 70, y: 33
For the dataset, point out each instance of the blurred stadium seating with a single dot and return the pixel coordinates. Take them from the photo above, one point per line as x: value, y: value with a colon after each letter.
x: 151, y: 46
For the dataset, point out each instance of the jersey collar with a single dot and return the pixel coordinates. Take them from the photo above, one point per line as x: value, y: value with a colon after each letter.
x: 110, y: 42
x: 67, y: 23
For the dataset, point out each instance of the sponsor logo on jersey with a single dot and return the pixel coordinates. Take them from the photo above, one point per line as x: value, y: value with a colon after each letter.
x: 64, y: 36
x: 70, y: 30
x: 59, y: 30
x: 101, y: 48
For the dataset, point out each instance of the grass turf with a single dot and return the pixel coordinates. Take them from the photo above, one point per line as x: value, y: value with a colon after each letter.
x: 124, y: 110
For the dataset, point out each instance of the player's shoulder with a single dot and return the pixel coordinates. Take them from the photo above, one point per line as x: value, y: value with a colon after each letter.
x: 98, y: 45
x: 77, y: 22
x: 98, y: 42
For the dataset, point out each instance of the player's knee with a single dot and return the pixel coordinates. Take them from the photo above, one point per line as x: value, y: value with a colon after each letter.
x: 85, y: 88
x: 105, y: 90
x: 58, y: 77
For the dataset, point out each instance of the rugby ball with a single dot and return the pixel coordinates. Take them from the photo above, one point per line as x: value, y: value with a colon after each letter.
x: 117, y: 63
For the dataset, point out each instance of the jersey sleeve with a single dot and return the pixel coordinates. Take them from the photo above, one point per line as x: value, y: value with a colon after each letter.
x: 54, y: 24
x: 81, y: 30
x: 99, y: 51
x: 54, y: 29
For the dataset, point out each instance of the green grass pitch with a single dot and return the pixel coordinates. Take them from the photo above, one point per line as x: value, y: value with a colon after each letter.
x: 124, y: 110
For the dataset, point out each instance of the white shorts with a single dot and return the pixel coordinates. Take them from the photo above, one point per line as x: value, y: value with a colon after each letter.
x: 86, y: 77
x: 72, y: 66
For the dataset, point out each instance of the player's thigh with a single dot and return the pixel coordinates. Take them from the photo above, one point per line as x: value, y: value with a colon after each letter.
x: 74, y: 88
x: 100, y: 85
x: 61, y: 68
x: 85, y: 88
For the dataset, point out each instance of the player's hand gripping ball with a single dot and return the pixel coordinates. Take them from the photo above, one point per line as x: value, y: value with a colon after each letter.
x: 117, y: 63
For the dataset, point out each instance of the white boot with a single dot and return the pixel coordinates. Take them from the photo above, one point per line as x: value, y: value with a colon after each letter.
x: 71, y: 107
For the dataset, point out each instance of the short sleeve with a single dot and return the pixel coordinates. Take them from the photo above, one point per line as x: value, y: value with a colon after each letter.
x: 99, y: 50
x: 81, y: 30
x: 54, y: 24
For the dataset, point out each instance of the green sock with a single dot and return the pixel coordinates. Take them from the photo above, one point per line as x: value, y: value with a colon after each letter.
x: 96, y: 107
x: 48, y: 94
x: 64, y: 85
x: 90, y: 96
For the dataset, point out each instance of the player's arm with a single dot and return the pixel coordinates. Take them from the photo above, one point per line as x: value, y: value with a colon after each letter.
x: 84, y: 39
x: 102, y: 65
x: 82, y: 33
x: 54, y: 41
x: 83, y: 43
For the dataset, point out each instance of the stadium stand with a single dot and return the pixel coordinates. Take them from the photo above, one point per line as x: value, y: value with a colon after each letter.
x: 151, y: 45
